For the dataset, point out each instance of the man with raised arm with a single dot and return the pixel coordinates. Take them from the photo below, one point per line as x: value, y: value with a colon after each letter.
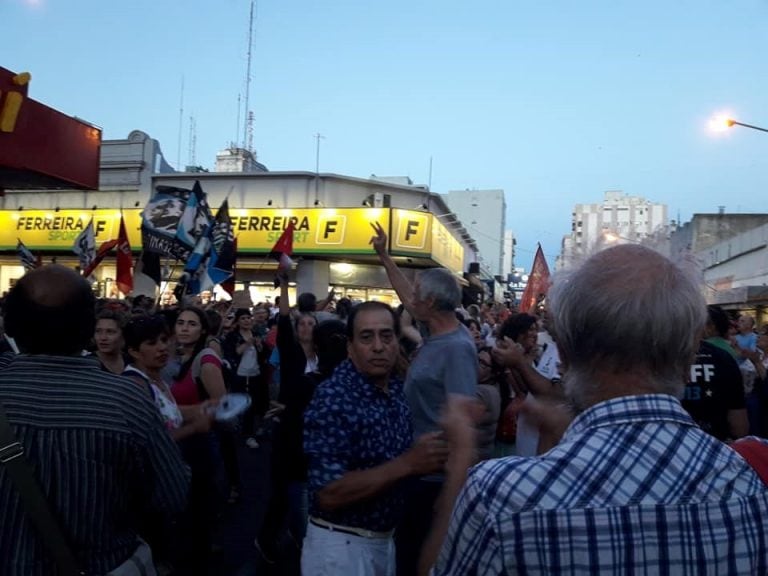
x: 446, y: 363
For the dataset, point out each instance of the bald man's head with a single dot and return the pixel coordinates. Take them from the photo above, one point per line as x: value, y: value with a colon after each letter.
x: 51, y: 310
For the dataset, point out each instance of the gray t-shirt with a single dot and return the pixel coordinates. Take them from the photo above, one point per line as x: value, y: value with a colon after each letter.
x: 445, y: 364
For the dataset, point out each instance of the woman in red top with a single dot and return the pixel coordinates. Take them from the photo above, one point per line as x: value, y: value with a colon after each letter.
x: 199, y: 379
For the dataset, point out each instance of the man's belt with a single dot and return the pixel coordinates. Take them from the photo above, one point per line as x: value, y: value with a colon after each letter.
x: 362, y: 532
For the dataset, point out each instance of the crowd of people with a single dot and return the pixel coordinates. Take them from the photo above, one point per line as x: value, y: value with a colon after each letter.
x: 598, y: 435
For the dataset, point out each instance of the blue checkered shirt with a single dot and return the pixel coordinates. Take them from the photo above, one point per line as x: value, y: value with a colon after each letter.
x: 634, y: 487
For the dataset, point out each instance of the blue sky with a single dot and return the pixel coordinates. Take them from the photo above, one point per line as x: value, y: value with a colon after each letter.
x: 554, y: 101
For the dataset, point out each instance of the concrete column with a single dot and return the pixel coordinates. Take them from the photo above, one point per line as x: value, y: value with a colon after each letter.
x: 313, y: 276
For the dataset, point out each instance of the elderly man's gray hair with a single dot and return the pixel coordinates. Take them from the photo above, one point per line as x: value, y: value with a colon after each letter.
x: 440, y: 284
x: 627, y: 309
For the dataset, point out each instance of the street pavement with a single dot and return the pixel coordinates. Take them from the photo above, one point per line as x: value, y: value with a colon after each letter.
x: 235, y: 553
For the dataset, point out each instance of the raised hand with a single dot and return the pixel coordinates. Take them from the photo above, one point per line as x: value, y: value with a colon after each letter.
x: 379, y: 240
x: 508, y: 353
x: 428, y: 453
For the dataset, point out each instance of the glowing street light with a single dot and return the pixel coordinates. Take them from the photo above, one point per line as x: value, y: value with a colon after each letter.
x: 721, y: 123
x: 609, y: 237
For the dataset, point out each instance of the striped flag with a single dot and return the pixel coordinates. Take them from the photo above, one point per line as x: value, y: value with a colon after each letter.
x: 101, y: 253
x: 221, y: 261
x: 28, y: 260
x: 85, y: 247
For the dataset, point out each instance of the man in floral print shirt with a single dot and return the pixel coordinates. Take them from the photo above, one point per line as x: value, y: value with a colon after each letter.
x: 359, y: 440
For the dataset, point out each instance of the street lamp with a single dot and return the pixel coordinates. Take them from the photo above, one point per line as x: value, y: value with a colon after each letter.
x: 612, y: 237
x: 722, y: 123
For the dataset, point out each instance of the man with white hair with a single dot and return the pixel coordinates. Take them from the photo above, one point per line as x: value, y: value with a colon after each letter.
x: 634, y: 486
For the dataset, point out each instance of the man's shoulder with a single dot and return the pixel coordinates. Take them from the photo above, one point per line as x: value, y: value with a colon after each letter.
x: 458, y: 339
x: 709, y: 352
x: 342, y: 385
x: 509, y: 482
x: 71, y: 384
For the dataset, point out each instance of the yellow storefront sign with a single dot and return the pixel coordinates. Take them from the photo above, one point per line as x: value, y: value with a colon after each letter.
x: 420, y: 234
x: 57, y: 230
x: 316, y: 230
x: 446, y: 250
x: 411, y: 233
x: 336, y: 231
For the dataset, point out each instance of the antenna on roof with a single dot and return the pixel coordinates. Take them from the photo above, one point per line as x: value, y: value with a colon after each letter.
x: 181, y: 125
x: 237, y: 126
x: 192, y: 159
x: 248, y: 129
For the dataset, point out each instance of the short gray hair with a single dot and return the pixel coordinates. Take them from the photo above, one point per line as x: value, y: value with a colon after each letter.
x: 442, y: 286
x: 627, y: 309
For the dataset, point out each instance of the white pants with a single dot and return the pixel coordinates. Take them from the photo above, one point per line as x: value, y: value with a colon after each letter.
x: 330, y: 553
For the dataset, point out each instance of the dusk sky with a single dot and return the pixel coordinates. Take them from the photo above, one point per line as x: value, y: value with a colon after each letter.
x: 553, y: 101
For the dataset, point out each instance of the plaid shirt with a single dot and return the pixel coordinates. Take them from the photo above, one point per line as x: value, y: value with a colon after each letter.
x: 633, y: 487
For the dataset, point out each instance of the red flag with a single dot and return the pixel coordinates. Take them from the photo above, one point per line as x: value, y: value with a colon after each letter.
x: 538, y: 283
x: 283, y: 248
x: 229, y: 284
x: 100, y: 254
x: 124, y: 261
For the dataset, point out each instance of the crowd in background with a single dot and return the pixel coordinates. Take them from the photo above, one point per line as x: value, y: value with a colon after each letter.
x: 185, y: 358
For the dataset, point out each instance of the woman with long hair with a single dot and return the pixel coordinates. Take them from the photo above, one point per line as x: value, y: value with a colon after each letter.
x: 199, y: 379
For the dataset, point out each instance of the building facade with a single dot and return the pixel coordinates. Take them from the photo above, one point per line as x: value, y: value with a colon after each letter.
x: 483, y: 214
x: 333, y: 216
x: 732, y: 251
x: 618, y: 218
x: 508, y: 266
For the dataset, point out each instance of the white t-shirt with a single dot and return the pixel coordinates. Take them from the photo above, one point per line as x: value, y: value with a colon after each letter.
x: 161, y: 394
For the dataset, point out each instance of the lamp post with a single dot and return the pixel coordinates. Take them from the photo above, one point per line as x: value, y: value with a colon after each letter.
x: 734, y: 122
x: 722, y: 123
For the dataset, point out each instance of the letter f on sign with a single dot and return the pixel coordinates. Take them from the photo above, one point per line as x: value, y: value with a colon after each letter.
x: 411, y: 229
